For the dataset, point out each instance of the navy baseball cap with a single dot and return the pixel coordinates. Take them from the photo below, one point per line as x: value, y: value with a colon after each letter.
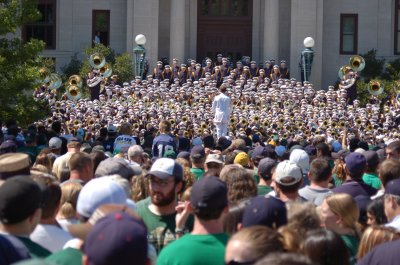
x: 393, y: 187
x: 268, y: 211
x: 118, y: 238
x: 209, y: 193
x: 356, y: 163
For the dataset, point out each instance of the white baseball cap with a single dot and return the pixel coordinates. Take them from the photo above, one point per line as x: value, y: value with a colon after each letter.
x: 165, y: 168
x: 97, y: 192
x: 301, y: 158
x: 287, y: 173
x: 55, y: 143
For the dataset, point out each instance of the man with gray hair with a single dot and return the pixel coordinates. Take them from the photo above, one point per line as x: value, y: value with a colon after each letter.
x: 135, y: 155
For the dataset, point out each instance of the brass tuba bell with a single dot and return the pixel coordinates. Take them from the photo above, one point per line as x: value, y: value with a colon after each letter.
x: 74, y: 92
x: 75, y: 80
x: 343, y: 71
x: 375, y: 88
x: 97, y: 60
x: 357, y: 63
x: 106, y: 70
x: 54, y: 81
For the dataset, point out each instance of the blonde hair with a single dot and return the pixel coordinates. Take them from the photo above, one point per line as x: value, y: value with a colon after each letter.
x: 345, y: 207
x: 259, y: 241
x: 140, y: 187
x: 69, y: 197
x: 374, y: 236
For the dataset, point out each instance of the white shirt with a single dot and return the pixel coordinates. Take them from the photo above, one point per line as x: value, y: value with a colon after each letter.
x: 395, y: 223
x: 51, y: 237
x: 123, y: 142
x: 222, y: 108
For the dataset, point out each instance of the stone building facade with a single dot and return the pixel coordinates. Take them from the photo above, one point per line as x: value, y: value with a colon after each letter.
x: 262, y: 29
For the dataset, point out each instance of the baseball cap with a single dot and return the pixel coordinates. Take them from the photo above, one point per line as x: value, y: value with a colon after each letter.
x: 287, y: 173
x: 371, y: 157
x: 336, y: 146
x: 393, y: 187
x: 209, y: 193
x: 261, y: 152
x: 116, y: 165
x: 184, y: 154
x: 20, y: 196
x: 8, y: 146
x: 198, y: 152
x: 81, y: 230
x: 12, y: 164
x: 267, y: 211
x: 280, y: 150
x: 165, y: 168
x: 242, y: 159
x: 215, y: 158
x: 118, y: 238
x: 266, y: 165
x: 356, y: 163
x: 170, y: 154
x: 301, y: 158
x: 55, y: 143
x: 97, y: 192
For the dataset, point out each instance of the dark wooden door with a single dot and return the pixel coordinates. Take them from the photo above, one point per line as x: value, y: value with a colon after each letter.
x: 224, y: 26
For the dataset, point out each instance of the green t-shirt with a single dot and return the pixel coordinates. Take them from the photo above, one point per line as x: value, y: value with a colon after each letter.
x: 256, y: 177
x: 263, y: 190
x: 36, y: 250
x: 373, y: 180
x: 198, y: 172
x: 161, y: 229
x: 66, y: 257
x: 352, y: 246
x: 195, y: 250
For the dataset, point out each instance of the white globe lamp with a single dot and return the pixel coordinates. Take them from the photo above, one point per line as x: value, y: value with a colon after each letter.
x: 140, y: 39
x: 309, y: 42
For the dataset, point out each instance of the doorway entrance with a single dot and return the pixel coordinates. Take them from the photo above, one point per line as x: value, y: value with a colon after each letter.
x: 224, y: 26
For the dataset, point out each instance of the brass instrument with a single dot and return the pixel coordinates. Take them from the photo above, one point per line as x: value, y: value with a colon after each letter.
x: 73, y: 92
x: 243, y: 121
x: 44, y: 74
x: 256, y: 118
x: 375, y: 88
x: 204, y: 125
x: 135, y: 126
x: 106, y: 70
x: 342, y: 124
x: 172, y: 121
x: 357, y: 63
x: 266, y: 123
x: 343, y: 71
x: 75, y: 80
x: 97, y: 60
x: 358, y: 121
x: 233, y: 120
x: 184, y: 118
x: 54, y: 81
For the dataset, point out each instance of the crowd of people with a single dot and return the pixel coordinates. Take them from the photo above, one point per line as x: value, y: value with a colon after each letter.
x: 239, y: 168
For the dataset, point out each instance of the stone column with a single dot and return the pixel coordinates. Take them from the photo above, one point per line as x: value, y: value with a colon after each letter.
x: 271, y: 30
x: 177, y: 32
